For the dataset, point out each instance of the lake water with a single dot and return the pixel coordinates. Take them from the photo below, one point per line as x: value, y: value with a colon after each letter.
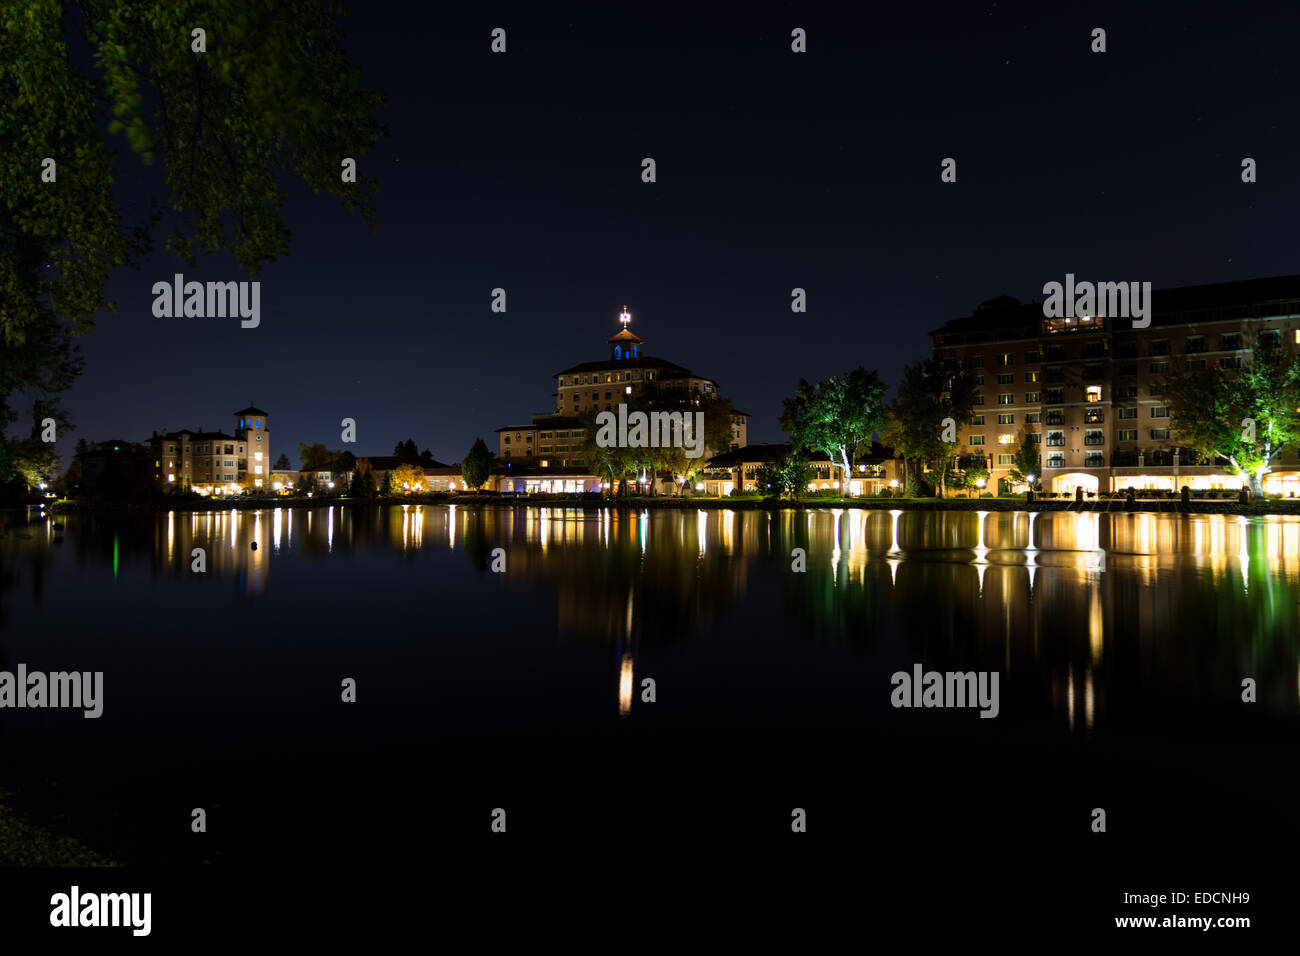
x: 1121, y: 643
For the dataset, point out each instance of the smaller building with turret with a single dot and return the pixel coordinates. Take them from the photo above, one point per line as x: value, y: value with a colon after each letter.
x: 216, y: 462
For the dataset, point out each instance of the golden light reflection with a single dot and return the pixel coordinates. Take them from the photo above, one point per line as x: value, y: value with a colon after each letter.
x: 625, y: 686
x: 1096, y: 624
x: 1069, y: 694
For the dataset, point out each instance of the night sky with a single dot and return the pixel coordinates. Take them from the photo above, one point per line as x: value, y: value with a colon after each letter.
x: 775, y: 170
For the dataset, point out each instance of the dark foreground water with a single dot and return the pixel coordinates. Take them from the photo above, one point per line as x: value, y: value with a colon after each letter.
x: 1121, y: 642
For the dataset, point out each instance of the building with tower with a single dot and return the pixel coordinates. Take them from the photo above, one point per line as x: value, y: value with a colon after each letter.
x: 215, y: 462
x: 554, y: 440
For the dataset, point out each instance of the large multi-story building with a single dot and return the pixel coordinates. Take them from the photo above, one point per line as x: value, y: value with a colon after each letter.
x: 554, y: 440
x: 1089, y: 389
x: 215, y: 462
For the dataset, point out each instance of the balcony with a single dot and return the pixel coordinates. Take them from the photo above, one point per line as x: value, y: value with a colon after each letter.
x: 1087, y: 323
x: 1055, y: 442
x: 1094, y: 416
x: 1095, y: 440
x: 1094, y: 459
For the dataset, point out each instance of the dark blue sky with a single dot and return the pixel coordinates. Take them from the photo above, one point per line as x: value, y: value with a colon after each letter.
x: 775, y: 170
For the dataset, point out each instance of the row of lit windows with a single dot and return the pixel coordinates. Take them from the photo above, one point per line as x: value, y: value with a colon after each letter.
x: 607, y: 377
x: 1193, y: 344
x: 211, y: 449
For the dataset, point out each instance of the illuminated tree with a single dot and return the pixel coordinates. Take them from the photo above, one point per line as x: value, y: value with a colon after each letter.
x: 1243, y: 417
x: 407, y: 479
x: 836, y: 416
x: 934, y: 404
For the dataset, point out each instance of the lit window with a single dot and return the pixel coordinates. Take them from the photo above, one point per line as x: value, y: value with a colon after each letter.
x: 1006, y: 439
x: 1094, y: 393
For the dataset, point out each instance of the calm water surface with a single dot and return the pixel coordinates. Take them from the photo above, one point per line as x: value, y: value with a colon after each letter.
x: 1121, y: 641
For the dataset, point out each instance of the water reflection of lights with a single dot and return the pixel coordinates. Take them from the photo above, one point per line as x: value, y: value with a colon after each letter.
x: 625, y: 686
x: 981, y: 551
x: 1071, y: 700
x: 233, y: 513
x: 644, y: 528
x: 1243, y: 555
x: 702, y: 528
x: 835, y: 552
x: 451, y: 526
x: 1030, y: 548
x: 1069, y: 695
x: 895, y: 514
x: 329, y: 530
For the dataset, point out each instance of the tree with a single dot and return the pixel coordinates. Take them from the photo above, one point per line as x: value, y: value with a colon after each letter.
x: 426, y: 456
x: 1243, y: 417
x: 407, y: 479
x: 273, y: 98
x: 477, y: 465
x: 970, y: 478
x: 1026, y: 468
x: 282, y: 463
x: 836, y: 416
x: 70, y: 484
x: 362, y: 482
x: 406, y: 449
x: 343, y: 464
x: 613, y: 461
x: 315, y: 457
x: 934, y: 403
x: 785, y: 477
x: 34, y: 372
x: 386, y: 485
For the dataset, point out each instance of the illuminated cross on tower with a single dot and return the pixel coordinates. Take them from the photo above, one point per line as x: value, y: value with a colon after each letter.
x: 624, y: 345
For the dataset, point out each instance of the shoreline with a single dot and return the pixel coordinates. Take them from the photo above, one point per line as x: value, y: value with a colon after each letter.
x: 1267, y: 506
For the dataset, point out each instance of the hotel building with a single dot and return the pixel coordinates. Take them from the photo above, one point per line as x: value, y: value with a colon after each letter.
x: 215, y: 462
x: 546, y: 455
x: 1089, y: 389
